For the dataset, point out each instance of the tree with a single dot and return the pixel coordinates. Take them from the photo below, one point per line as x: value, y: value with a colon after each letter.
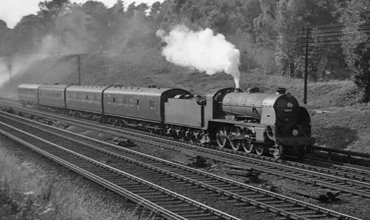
x: 98, y: 21
x: 354, y: 14
x: 28, y: 34
x: 5, y: 39
x: 50, y: 10
x: 289, y: 22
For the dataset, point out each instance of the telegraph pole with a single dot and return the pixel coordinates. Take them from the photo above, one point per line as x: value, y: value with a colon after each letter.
x: 307, y: 44
x: 306, y: 65
x: 79, y: 69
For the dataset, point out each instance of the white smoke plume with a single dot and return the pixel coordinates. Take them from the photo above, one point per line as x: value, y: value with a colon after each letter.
x: 202, y: 50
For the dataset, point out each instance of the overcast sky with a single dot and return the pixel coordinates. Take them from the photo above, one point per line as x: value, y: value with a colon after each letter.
x: 11, y: 11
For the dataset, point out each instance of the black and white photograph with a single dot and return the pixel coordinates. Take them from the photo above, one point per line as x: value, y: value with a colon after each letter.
x: 184, y: 109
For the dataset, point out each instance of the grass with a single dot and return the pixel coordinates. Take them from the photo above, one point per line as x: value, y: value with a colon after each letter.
x: 27, y: 191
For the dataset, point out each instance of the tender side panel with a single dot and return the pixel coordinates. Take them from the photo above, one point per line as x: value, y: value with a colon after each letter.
x: 87, y: 99
x: 183, y: 112
x: 52, y: 95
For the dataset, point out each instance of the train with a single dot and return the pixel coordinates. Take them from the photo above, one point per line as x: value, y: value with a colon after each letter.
x: 250, y: 121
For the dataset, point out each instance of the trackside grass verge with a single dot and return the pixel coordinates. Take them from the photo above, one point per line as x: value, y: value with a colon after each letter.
x: 29, y: 191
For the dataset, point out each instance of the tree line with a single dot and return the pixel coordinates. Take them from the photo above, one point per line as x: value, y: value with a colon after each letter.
x: 272, y: 35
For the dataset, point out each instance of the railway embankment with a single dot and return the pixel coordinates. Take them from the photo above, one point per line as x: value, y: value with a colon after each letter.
x: 32, y: 188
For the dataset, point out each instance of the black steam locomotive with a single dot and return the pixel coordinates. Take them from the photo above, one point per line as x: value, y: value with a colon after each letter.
x: 250, y: 121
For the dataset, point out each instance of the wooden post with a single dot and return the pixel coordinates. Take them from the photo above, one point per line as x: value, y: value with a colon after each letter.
x: 79, y: 69
x: 306, y: 65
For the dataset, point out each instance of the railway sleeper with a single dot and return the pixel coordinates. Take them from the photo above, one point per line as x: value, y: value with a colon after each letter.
x: 134, y: 186
x: 318, y: 216
x: 241, y: 192
x: 184, y: 209
x: 306, y: 213
x: 131, y: 187
x: 169, y: 203
x: 175, y: 206
x: 196, y: 215
x: 192, y: 213
x: 293, y: 209
x: 203, y: 190
x: 240, y: 204
x: 155, y: 195
x: 254, y: 197
x: 273, y: 202
x: 142, y: 191
x: 220, y: 185
x: 207, y: 218
x: 265, y: 199
x: 284, y: 205
x: 233, y: 189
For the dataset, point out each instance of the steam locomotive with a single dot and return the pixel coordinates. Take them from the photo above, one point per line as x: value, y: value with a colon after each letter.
x: 251, y: 121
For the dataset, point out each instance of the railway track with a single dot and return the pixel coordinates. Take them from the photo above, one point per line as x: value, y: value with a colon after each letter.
x: 346, y: 179
x: 159, y: 200
x: 350, y: 180
x: 237, y: 194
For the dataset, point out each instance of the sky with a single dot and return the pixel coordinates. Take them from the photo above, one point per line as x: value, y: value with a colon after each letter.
x: 11, y: 11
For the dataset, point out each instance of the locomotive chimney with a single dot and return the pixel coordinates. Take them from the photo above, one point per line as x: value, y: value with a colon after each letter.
x: 281, y: 90
x: 238, y: 90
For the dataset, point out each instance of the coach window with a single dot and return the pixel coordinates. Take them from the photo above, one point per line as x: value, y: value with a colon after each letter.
x: 152, y: 103
x: 137, y: 102
x: 114, y: 99
x: 87, y: 97
x: 124, y: 100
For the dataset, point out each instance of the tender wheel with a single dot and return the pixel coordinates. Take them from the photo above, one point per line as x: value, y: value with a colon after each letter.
x: 235, y: 143
x: 278, y: 152
x: 247, y: 146
x: 260, y: 149
x: 221, y: 136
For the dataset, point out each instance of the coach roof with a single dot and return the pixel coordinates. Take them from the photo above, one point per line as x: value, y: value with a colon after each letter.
x: 139, y: 90
x: 29, y: 86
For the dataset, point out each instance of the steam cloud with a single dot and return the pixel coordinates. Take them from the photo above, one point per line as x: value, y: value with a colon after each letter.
x: 202, y: 50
